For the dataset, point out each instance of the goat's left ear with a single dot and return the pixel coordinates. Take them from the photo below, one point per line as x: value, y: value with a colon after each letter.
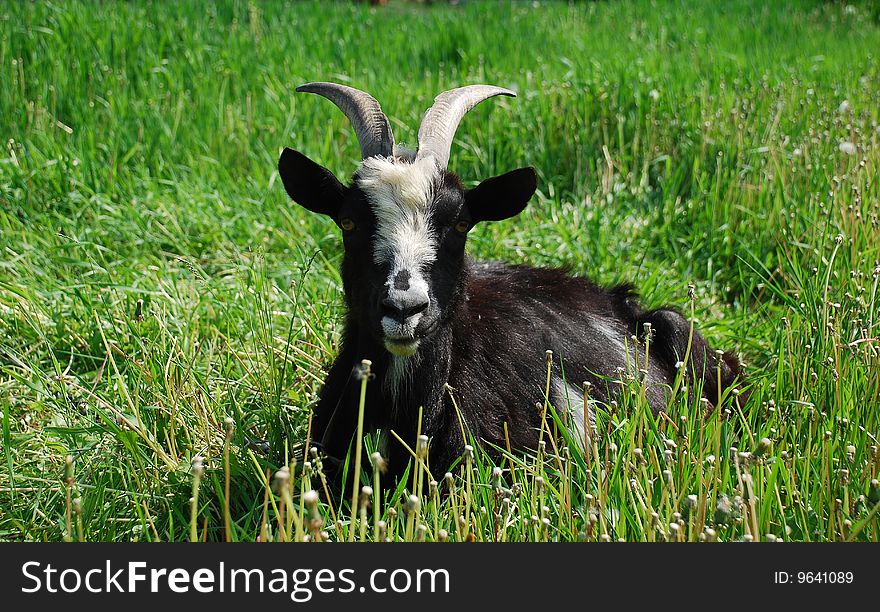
x: 502, y: 197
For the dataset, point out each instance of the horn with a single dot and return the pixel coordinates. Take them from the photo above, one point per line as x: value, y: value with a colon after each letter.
x: 442, y: 119
x: 370, y: 123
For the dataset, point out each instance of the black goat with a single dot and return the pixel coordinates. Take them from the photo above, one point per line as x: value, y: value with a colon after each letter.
x: 465, y: 341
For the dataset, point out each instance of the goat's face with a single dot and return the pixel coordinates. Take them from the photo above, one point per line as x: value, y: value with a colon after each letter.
x: 408, y: 240
x: 404, y: 224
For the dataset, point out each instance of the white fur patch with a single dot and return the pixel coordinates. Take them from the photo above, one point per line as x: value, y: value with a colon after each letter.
x: 397, y: 377
x: 569, y: 401
x: 612, y: 334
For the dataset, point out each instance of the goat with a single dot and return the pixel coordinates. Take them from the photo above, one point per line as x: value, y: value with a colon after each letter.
x: 465, y: 341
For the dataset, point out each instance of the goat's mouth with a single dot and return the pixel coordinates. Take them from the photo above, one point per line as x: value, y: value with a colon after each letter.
x: 401, y: 347
x: 403, y: 339
x: 400, y: 337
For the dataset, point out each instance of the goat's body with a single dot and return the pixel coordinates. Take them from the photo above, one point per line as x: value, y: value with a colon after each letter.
x: 486, y: 370
x: 464, y: 344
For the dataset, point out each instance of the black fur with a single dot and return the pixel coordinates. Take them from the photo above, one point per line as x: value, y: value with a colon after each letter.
x: 489, y: 327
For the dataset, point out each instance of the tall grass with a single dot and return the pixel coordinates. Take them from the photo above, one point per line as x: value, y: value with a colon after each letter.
x: 166, y: 314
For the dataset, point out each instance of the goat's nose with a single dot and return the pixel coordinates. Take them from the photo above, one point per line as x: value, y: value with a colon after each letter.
x: 401, y: 305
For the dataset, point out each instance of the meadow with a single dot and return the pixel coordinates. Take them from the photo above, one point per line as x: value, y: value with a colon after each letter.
x: 166, y: 313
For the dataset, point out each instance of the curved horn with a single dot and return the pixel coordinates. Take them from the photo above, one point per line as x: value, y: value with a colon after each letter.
x: 370, y: 123
x: 442, y: 119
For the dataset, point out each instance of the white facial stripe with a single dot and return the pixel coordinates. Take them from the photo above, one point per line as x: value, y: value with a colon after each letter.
x: 401, y: 195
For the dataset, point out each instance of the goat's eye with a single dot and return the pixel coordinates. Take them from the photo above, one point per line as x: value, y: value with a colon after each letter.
x: 462, y: 227
x: 346, y: 224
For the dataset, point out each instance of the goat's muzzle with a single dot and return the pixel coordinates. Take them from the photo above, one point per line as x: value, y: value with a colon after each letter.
x: 402, y: 310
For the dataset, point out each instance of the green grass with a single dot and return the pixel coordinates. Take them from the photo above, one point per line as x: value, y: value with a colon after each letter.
x: 155, y: 280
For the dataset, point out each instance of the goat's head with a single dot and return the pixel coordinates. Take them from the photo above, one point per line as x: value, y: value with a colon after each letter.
x: 405, y: 217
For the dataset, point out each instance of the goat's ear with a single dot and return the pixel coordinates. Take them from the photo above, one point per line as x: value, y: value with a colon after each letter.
x: 502, y: 197
x: 310, y: 185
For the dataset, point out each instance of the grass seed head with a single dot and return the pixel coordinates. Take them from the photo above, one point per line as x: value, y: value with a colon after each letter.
x: 281, y: 480
x: 874, y: 491
x: 379, y: 462
x: 859, y: 505
x: 725, y: 510
x: 198, y: 466
x: 689, y: 505
x: 310, y: 499
x: 422, y: 446
x: 364, y: 498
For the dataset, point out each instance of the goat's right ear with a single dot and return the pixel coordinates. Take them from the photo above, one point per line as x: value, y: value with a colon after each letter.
x: 310, y: 185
